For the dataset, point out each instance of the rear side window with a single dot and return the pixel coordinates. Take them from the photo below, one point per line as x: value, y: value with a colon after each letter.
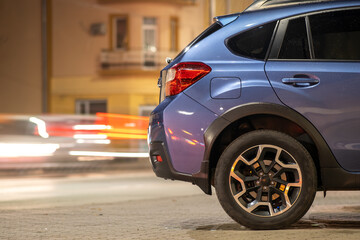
x: 253, y: 43
x: 336, y: 35
x: 295, y: 44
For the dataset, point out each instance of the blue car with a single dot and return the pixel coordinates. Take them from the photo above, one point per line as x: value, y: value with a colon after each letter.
x: 264, y: 105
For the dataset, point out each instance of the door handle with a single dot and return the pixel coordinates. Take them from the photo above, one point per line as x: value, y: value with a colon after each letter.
x: 300, y: 82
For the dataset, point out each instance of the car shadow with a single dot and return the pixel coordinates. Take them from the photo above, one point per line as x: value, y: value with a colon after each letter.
x: 302, y: 224
x: 349, y: 218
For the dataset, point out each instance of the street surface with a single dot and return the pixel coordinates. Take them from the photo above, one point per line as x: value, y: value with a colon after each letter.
x: 140, y: 206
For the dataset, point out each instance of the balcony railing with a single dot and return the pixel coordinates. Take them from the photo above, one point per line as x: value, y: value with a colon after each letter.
x: 133, y: 59
x: 181, y: 2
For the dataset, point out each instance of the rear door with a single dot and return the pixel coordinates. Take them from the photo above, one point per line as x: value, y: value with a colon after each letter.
x: 314, y: 68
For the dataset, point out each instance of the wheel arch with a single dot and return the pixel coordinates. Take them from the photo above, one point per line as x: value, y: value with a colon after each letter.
x: 236, y: 121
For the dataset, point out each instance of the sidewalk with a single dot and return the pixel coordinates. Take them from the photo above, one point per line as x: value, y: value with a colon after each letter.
x: 188, y: 217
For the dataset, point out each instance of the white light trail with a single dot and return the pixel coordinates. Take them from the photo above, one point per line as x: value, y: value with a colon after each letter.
x: 105, y: 141
x: 41, y: 126
x: 90, y: 136
x: 109, y: 154
x: 91, y: 127
x: 27, y: 149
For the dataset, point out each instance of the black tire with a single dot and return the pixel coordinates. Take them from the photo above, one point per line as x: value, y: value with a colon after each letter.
x: 272, y: 184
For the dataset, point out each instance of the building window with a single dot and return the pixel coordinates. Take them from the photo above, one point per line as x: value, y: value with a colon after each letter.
x: 174, y: 26
x: 119, y: 30
x: 149, y: 41
x: 86, y: 106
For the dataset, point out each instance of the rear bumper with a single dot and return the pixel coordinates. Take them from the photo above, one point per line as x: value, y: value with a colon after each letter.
x: 164, y: 168
x: 176, y: 135
x: 159, y: 146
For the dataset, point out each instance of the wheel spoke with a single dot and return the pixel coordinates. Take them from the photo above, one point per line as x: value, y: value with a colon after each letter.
x: 262, y: 165
x: 238, y: 195
x: 259, y: 195
x: 286, y: 192
x: 258, y: 154
x: 287, y: 200
x: 250, y: 189
x: 236, y: 177
x: 251, y: 162
x: 280, y: 181
x: 255, y: 205
x: 271, y: 210
x: 250, y: 178
x: 284, y: 165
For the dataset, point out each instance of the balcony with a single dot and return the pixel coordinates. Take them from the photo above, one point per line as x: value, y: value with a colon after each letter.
x: 178, y: 2
x: 128, y: 62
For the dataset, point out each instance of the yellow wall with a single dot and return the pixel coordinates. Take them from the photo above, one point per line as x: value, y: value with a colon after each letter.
x: 76, y: 53
x: 239, y: 6
x: 116, y: 103
x: 235, y: 7
x: 220, y: 7
x: 20, y: 56
x: 123, y: 95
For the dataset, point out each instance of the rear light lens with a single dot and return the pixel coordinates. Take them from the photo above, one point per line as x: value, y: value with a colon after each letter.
x: 183, y: 75
x: 158, y: 158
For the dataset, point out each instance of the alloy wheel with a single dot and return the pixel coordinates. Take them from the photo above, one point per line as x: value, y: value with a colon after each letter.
x: 265, y: 180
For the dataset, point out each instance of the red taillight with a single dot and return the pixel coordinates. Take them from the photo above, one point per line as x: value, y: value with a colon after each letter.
x: 183, y: 75
x: 158, y: 158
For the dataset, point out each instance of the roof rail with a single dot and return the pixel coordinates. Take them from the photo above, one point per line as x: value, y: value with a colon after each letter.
x: 261, y: 4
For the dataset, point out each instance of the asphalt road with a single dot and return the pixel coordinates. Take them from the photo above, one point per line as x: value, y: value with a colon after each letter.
x: 141, y: 206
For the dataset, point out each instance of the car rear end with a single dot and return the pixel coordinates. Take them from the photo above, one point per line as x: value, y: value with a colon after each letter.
x: 196, y: 88
x: 178, y: 123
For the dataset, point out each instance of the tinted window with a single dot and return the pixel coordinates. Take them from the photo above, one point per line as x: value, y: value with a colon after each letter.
x: 295, y: 44
x: 336, y: 35
x: 253, y: 43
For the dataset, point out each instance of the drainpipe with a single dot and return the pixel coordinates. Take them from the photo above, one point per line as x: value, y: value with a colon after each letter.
x: 228, y: 6
x: 212, y: 9
x: 45, y: 57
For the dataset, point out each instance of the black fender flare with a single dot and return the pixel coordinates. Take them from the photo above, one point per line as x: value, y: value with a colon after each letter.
x: 328, y: 164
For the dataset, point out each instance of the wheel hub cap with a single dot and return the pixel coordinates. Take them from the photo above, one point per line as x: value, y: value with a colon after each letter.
x: 265, y: 180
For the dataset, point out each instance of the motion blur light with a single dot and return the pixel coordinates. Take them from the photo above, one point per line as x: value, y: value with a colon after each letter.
x: 27, y: 149
x: 109, y: 154
x: 89, y: 136
x: 41, y: 126
x: 91, y: 127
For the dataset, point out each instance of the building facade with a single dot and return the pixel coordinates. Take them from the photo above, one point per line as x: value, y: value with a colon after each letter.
x: 21, y: 86
x: 107, y: 53
x: 94, y: 55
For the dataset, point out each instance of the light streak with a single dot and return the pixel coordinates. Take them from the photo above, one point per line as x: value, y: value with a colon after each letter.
x: 41, y: 126
x: 123, y: 136
x: 89, y: 136
x: 27, y: 149
x: 109, y: 154
x: 105, y: 141
x: 91, y: 127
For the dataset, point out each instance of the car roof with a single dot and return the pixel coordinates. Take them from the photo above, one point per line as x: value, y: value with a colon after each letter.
x: 265, y: 4
x: 267, y: 10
